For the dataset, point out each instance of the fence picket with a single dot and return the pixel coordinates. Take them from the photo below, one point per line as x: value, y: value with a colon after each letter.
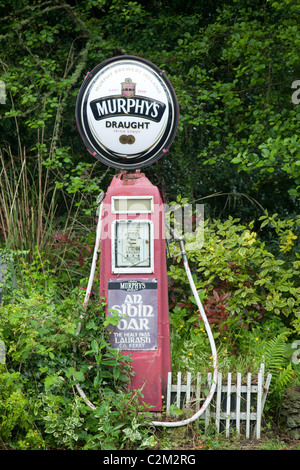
x: 266, y: 389
x: 207, y: 413
x: 169, y: 387
x: 188, y: 390
x: 238, y: 402
x: 248, y: 405
x: 178, y: 389
x: 218, y: 405
x: 258, y: 410
x: 229, y: 396
x: 228, y: 404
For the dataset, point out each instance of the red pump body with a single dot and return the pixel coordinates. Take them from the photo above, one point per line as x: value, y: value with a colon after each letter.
x: 133, y: 280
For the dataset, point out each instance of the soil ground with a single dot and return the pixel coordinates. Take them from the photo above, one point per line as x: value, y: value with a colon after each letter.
x: 179, y: 439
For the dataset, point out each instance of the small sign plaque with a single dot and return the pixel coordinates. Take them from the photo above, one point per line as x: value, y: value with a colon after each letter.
x: 127, y: 112
x: 136, y: 303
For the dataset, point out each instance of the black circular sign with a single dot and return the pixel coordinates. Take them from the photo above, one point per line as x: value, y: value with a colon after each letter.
x: 127, y: 112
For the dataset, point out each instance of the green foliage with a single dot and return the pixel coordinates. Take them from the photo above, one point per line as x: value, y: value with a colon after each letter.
x: 39, y: 327
x: 250, y: 291
x: 232, y: 65
x: 26, y: 210
x: 32, y: 441
x: 128, y: 431
x: 235, y: 261
x: 35, y: 210
x: 14, y: 413
x: 62, y: 420
x: 277, y: 364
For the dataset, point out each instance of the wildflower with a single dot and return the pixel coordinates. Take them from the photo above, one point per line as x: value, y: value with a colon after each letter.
x: 190, y: 354
x: 256, y: 339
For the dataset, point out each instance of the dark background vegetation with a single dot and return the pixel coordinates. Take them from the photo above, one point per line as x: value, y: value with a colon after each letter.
x: 232, y: 65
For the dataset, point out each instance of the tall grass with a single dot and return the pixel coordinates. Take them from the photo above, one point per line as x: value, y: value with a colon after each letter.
x: 43, y: 219
x: 27, y: 202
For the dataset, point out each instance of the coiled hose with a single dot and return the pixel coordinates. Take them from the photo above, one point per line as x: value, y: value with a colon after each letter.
x: 173, y: 424
x: 170, y: 424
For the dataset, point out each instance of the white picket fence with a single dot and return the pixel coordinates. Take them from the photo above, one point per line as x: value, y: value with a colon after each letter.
x: 235, y: 406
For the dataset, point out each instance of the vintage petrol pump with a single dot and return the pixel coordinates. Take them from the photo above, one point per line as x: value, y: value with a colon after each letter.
x: 127, y: 115
x: 133, y: 279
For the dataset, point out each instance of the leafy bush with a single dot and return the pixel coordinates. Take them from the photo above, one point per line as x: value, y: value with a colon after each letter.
x: 13, y: 406
x: 40, y: 407
x: 249, y: 289
x: 236, y: 114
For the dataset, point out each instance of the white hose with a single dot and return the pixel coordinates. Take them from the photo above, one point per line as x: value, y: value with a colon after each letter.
x: 170, y: 424
x: 89, y: 290
x: 173, y: 424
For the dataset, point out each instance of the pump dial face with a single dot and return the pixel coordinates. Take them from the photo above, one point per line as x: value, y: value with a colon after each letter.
x: 127, y: 112
x: 133, y: 246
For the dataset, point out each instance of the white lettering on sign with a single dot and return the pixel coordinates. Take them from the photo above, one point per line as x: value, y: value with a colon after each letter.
x: 127, y: 125
x: 133, y: 324
x: 132, y: 286
x: 133, y: 307
x: 136, y: 304
x: 107, y: 107
x: 139, y: 339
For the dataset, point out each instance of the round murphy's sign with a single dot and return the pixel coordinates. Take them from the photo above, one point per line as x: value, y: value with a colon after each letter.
x: 127, y: 112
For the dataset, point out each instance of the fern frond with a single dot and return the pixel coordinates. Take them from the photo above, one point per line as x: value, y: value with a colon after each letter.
x: 277, y: 364
x: 284, y: 377
x: 274, y: 353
